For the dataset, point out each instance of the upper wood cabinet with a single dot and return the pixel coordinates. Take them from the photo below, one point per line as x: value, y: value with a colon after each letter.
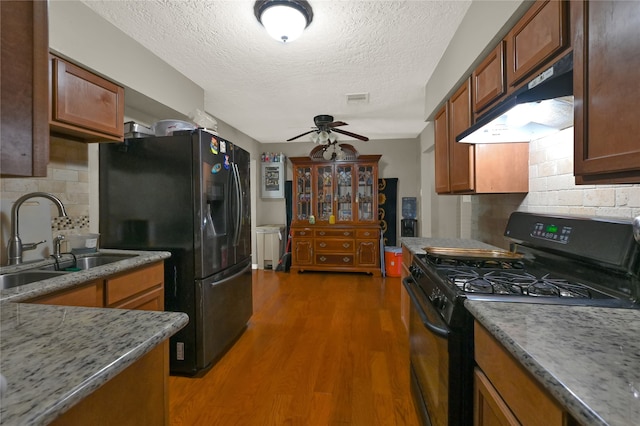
x: 84, y: 105
x: 461, y: 155
x: 606, y: 91
x: 475, y: 169
x: 441, y: 129
x: 489, y: 79
x: 539, y: 35
x: 24, y: 140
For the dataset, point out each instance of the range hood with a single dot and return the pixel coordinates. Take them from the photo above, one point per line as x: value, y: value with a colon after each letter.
x: 539, y: 108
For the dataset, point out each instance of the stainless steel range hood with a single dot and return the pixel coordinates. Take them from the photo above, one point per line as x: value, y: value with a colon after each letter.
x: 539, y: 108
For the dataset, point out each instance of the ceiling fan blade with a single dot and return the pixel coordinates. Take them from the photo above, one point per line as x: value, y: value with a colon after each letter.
x: 353, y: 135
x: 300, y: 135
x: 337, y: 123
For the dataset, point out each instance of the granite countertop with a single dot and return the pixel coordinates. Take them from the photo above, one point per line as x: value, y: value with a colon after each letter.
x: 40, y: 288
x: 54, y: 356
x: 588, y: 358
x: 417, y: 244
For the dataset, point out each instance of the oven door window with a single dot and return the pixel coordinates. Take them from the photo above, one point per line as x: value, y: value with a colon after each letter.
x: 430, y: 356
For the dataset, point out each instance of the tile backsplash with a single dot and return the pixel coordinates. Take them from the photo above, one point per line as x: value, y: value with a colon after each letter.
x: 552, y: 190
x: 67, y: 178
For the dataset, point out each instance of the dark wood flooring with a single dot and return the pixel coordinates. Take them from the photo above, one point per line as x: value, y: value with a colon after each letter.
x: 320, y: 349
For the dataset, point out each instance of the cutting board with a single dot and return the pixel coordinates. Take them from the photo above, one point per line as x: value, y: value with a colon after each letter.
x: 34, y: 226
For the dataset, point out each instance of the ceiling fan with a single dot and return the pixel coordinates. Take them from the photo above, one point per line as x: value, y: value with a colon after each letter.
x: 324, y: 126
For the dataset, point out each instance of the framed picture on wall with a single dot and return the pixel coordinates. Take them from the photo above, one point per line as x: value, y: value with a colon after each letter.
x: 273, y: 178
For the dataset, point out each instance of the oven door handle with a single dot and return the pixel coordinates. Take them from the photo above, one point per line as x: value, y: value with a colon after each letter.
x: 435, y: 329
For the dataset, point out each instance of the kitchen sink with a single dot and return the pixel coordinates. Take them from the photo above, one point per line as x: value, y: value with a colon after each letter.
x: 21, y: 278
x: 88, y: 262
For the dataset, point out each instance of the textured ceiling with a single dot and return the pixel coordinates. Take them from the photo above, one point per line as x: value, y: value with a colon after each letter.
x: 271, y: 91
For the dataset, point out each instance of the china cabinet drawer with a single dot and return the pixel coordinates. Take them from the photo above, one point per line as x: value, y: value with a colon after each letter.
x: 336, y: 233
x: 302, y: 232
x: 336, y: 246
x: 335, y: 259
x: 367, y: 233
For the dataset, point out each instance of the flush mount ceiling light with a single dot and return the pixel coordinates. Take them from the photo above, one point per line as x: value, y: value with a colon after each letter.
x: 284, y: 20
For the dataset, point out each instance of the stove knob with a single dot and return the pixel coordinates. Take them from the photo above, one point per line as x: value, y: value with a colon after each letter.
x: 441, y: 302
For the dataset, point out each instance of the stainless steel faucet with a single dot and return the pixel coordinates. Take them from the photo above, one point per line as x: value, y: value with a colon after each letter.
x: 15, y: 246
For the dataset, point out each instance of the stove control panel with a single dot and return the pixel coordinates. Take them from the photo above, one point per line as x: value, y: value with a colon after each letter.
x: 552, y: 232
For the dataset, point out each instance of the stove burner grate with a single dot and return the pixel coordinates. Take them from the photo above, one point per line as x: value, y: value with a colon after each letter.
x: 514, y: 283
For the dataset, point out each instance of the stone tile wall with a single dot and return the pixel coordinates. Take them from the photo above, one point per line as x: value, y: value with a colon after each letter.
x: 67, y: 178
x: 552, y: 190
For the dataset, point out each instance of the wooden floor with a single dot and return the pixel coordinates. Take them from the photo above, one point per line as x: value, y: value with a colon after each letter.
x: 320, y: 349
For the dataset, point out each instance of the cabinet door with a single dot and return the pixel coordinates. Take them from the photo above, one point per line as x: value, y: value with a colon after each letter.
x: 489, y: 409
x: 367, y: 181
x: 84, y: 104
x: 536, y: 38
x: 441, y: 129
x: 345, y: 196
x: 489, y: 81
x: 302, y: 251
x: 124, y: 288
x: 24, y: 46
x: 606, y: 91
x: 324, y: 192
x: 302, y: 193
x: 461, y: 156
x: 367, y: 252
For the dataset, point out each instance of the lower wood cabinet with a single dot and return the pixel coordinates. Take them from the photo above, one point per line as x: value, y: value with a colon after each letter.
x: 142, y: 288
x: 505, y: 393
x: 336, y: 248
x: 137, y: 396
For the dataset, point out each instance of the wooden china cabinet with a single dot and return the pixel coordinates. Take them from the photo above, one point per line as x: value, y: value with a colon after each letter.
x: 335, y: 223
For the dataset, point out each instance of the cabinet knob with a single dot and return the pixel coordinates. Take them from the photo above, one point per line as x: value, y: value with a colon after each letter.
x: 347, y: 233
x: 346, y: 259
x: 323, y: 259
x: 366, y: 234
x: 303, y: 233
x: 346, y: 245
x: 321, y: 232
x: 323, y: 244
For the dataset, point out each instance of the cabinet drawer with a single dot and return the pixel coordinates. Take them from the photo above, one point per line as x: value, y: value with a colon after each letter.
x: 528, y: 401
x: 127, y: 285
x: 334, y: 259
x: 367, y: 233
x: 337, y: 233
x: 334, y: 246
x: 88, y: 295
x: 302, y: 232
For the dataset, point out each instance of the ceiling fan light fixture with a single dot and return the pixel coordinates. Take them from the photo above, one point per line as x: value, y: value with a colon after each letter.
x: 323, y: 136
x: 284, y: 20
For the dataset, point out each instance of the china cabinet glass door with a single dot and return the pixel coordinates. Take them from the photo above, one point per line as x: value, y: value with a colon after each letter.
x: 366, y: 192
x: 303, y: 192
x: 324, y: 191
x: 345, y: 196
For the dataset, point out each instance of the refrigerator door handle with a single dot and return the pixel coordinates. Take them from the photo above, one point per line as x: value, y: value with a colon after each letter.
x: 238, y: 218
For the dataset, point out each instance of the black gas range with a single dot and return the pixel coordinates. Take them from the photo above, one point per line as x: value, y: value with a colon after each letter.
x: 553, y: 260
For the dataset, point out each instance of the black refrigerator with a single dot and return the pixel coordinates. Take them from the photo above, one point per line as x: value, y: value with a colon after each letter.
x: 187, y: 194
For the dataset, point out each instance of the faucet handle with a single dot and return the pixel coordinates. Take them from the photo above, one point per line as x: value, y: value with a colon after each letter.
x: 31, y: 246
x: 57, y: 241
